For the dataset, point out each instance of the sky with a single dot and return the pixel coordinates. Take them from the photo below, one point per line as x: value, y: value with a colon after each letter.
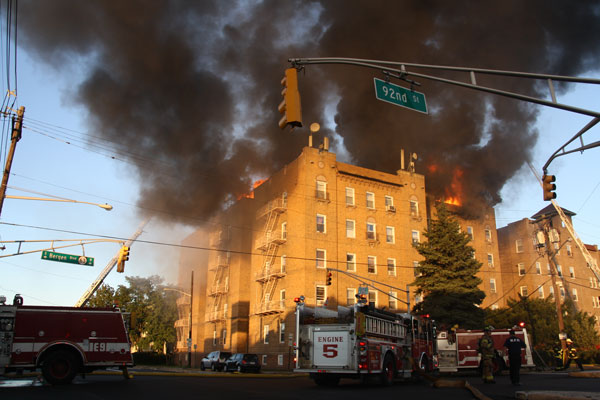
x: 145, y: 164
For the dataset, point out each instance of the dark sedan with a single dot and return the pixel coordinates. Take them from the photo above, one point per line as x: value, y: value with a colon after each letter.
x: 243, y: 362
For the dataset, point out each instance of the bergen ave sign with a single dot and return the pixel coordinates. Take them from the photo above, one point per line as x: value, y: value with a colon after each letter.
x: 67, y: 258
x: 391, y: 93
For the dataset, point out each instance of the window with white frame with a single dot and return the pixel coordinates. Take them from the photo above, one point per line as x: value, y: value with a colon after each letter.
x: 574, y: 294
x: 320, y: 256
x: 282, y: 298
x: 371, y: 264
x: 280, y: 359
x: 523, y: 290
x: 321, y: 220
x: 415, y: 236
x: 538, y: 268
x: 350, y: 262
x: 488, y: 234
x: 225, y: 306
x: 350, y: 196
x: 389, y: 204
x: 390, y: 236
x: 320, y: 294
x: 371, y: 231
x: 415, y: 268
x: 562, y: 291
x: 284, y: 198
x: 521, y: 268
x: 596, y: 301
x: 393, y: 304
x: 373, y: 297
x: 541, y: 292
x: 519, y: 245
x: 214, y: 337
x: 551, y: 291
x: 391, y: 266
x: 264, y: 359
x: 569, y: 251
x: 284, y: 230
x: 470, y: 232
x: 283, y: 263
x: 370, y: 200
x: 281, y: 332
x: 571, y: 272
x: 559, y: 269
x: 224, y: 336
x: 321, y: 192
x: 548, y: 267
x: 266, y: 334
x: 414, y: 207
x: 350, y: 228
x: 492, y: 285
x: 350, y: 296
x: 490, y: 258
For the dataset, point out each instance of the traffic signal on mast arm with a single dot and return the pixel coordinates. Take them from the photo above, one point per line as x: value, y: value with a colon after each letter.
x: 123, y: 256
x: 329, y: 277
x: 549, y: 187
x: 290, y: 106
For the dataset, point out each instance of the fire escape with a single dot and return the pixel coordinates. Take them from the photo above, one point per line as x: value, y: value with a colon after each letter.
x: 272, y: 268
x: 219, y: 267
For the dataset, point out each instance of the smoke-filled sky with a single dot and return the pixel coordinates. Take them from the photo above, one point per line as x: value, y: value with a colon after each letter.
x: 194, y: 85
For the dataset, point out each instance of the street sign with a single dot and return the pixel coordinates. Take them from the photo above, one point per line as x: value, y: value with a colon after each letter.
x: 363, y: 290
x: 391, y: 93
x: 67, y: 258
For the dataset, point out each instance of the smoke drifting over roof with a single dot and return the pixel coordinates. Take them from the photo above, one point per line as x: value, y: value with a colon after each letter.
x: 195, y: 85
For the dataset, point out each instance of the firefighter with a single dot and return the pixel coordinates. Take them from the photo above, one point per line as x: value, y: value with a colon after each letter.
x: 514, y: 346
x: 571, y: 354
x: 488, y: 353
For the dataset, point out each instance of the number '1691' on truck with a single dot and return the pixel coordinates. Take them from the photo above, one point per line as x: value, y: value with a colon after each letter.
x: 361, y: 341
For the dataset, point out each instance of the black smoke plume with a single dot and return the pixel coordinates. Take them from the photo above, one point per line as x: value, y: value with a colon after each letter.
x: 194, y: 85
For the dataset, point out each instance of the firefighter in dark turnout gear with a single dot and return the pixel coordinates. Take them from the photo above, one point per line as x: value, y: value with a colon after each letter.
x: 514, y: 346
x: 488, y: 353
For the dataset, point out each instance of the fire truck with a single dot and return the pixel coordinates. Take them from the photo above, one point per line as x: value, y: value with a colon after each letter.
x: 457, y: 349
x: 361, y: 342
x: 62, y: 341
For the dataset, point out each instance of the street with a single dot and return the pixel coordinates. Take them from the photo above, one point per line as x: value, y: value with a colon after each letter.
x: 267, y: 386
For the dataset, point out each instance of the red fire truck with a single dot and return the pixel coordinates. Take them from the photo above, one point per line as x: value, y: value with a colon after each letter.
x: 62, y: 341
x: 457, y: 349
x: 361, y: 342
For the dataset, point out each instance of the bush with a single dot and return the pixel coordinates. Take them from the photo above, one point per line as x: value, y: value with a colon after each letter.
x: 149, y: 358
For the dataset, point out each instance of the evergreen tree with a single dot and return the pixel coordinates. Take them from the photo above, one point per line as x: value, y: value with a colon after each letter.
x: 447, y: 278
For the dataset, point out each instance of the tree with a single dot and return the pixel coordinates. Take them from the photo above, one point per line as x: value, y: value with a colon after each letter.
x: 447, y: 275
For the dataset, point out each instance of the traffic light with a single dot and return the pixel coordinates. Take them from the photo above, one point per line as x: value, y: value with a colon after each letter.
x: 123, y: 256
x: 329, y: 277
x: 290, y: 106
x: 549, y: 187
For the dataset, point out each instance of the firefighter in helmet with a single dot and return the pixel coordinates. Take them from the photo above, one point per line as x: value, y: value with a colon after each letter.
x: 571, y: 354
x: 488, y: 353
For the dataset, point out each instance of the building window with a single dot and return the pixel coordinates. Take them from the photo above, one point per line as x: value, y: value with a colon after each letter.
x: 349, y: 196
x: 488, y: 234
x: 523, y: 291
x: 551, y: 291
x: 264, y: 359
x: 225, y: 310
x: 393, y: 302
x: 490, y: 260
x: 372, y: 264
x: 321, y: 223
x: 541, y: 292
x: 266, y: 334
x: 283, y: 263
x: 415, y: 268
x: 596, y: 301
x: 350, y: 261
x: 224, y: 336
x: 521, y: 268
x: 391, y: 266
x: 559, y: 269
x: 569, y: 251
x: 575, y: 298
x: 282, y: 298
x: 215, y: 337
x: 389, y: 204
x: 470, y: 232
x: 415, y: 237
x: 350, y: 296
x: 549, y: 270
x: 538, y: 268
x: 519, y: 245
x: 321, y: 192
x: 350, y: 229
x: 321, y: 295
x: 492, y: 285
x: 571, y: 272
x: 321, y: 261
x: 281, y: 332
x: 371, y: 231
x: 284, y: 197
x: 390, y: 236
x: 373, y: 297
x: 284, y: 230
x: 370, y: 200
x: 562, y: 292
x: 414, y: 208
x: 280, y: 359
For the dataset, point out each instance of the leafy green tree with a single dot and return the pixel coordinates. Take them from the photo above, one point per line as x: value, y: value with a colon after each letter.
x: 447, y: 279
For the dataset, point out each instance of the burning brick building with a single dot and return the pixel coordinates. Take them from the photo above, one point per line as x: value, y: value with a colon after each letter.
x: 316, y: 214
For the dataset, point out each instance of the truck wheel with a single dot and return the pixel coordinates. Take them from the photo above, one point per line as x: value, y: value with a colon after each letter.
x: 388, y: 372
x: 60, y: 367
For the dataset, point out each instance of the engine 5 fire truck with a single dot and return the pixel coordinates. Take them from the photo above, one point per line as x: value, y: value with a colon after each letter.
x: 360, y: 342
x: 457, y: 349
x: 62, y: 341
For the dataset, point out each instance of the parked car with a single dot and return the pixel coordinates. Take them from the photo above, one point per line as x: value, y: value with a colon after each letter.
x: 243, y: 362
x: 215, y: 360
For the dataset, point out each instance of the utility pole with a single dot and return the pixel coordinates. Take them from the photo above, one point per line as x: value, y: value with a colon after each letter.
x: 15, y: 137
x: 190, y: 327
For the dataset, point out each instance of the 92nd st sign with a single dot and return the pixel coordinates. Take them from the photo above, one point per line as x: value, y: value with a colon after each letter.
x: 67, y: 258
x: 391, y: 93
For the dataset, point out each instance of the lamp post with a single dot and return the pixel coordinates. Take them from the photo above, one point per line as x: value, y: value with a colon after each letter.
x: 107, y: 207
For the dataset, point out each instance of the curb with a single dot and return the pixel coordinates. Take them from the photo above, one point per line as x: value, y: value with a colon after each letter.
x: 555, y: 395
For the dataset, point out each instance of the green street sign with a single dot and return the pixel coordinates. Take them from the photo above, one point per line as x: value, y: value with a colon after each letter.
x: 391, y: 93
x: 67, y: 258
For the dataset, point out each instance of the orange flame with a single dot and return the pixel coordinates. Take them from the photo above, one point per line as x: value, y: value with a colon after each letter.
x: 455, y: 191
x: 250, y: 195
